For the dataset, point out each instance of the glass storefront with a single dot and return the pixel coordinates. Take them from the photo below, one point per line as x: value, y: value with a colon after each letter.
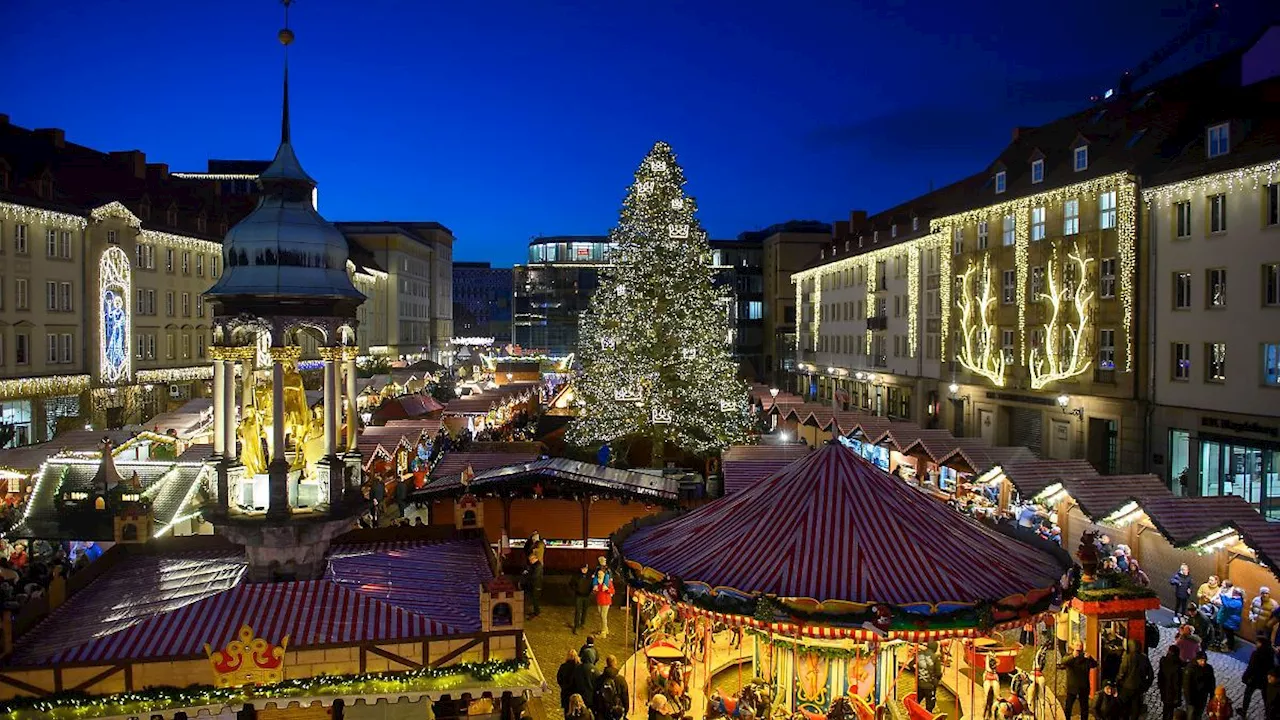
x: 15, y: 416
x: 876, y: 454
x: 1231, y: 466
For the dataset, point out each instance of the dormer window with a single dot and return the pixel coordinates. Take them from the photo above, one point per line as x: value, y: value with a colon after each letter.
x: 1219, y: 141
x: 144, y: 209
x: 846, y: 246
x: 201, y: 223
x: 222, y: 226
x: 45, y: 189
x: 875, y: 236
x: 915, y: 224
x: 1037, y: 171
x: 1081, y: 158
x: 1000, y: 182
x: 893, y: 231
x: 171, y: 216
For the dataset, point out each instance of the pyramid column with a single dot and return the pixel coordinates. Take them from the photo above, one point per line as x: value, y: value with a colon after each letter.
x: 278, y: 470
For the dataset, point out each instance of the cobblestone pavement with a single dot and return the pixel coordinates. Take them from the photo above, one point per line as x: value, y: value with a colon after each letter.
x: 1227, y: 670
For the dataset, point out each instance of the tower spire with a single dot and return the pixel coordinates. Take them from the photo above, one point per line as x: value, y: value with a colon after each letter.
x: 286, y: 38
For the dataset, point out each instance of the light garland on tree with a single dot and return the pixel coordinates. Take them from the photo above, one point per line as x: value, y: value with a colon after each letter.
x: 978, y: 352
x: 1048, y: 365
x: 40, y: 216
x: 654, y: 356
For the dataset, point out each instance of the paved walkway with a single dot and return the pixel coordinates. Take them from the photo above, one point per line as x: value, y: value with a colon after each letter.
x: 1227, y: 668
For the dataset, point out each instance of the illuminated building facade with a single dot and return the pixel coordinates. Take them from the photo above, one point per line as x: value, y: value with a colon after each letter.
x: 482, y: 301
x: 1212, y: 220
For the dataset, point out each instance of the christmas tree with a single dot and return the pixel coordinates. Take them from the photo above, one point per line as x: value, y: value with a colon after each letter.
x: 654, y: 340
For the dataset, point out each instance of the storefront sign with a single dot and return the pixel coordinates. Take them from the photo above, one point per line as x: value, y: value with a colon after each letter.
x: 1239, y: 427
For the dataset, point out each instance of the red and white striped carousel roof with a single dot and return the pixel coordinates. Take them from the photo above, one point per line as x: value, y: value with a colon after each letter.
x: 832, y: 526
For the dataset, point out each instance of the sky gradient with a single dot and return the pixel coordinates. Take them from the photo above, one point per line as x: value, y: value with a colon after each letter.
x: 504, y: 120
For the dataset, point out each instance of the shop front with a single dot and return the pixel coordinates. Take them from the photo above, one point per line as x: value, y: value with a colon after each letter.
x: 1218, y: 454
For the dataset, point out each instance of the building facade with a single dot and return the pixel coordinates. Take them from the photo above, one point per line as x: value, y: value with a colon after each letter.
x: 1212, y: 217
x: 482, y: 301
x: 784, y: 249
x: 553, y: 289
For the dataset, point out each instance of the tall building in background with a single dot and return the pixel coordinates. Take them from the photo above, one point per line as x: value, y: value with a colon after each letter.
x: 553, y: 289
x: 482, y: 301
x: 738, y: 270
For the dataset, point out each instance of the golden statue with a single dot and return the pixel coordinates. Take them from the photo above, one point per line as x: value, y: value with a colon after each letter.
x: 251, y: 455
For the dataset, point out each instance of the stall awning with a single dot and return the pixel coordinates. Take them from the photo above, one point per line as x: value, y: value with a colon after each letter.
x: 650, y: 486
x: 745, y: 465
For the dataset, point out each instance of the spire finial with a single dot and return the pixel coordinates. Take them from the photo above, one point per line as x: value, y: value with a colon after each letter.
x: 286, y: 38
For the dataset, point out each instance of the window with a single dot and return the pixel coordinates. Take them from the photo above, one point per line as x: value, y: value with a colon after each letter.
x: 186, y: 262
x: 1182, y: 218
x: 66, y: 348
x: 186, y: 346
x: 22, y: 348
x: 1217, y: 287
x: 186, y: 307
x: 982, y: 235
x: 1271, y: 285
x: 51, y: 243
x: 1215, y: 362
x: 51, y: 295
x: 200, y: 307
x: 1219, y: 140
x: 1181, y: 361
x: 52, y: 356
x: 1107, y: 278
x: 113, y: 238
x: 64, y: 297
x: 1000, y: 177
x: 200, y: 345
x: 168, y: 260
x: 1272, y: 201
x: 1037, y: 171
x: 22, y: 300
x: 200, y: 265
x: 1037, y: 282
x: 1071, y: 217
x: 1271, y: 364
x: 957, y: 242
x: 1006, y: 345
x: 1008, y: 284
x: 1107, y: 210
x: 915, y: 223
x: 893, y: 230
x: 146, y: 257
x: 1182, y: 291
x: 1082, y: 158
x: 1106, y: 349
x: 168, y: 345
x: 1037, y: 224
x: 1218, y: 213
x: 20, y: 239
x: 1007, y: 230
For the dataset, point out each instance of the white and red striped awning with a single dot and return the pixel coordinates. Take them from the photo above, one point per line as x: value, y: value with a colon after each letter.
x: 832, y: 526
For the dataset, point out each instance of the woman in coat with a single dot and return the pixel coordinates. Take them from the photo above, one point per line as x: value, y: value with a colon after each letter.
x: 1230, y: 614
x: 602, y: 588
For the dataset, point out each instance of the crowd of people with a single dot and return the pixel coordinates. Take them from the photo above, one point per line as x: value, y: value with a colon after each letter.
x: 27, y: 569
x: 589, y: 692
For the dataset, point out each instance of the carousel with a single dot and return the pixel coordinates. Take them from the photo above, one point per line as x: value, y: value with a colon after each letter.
x: 820, y: 585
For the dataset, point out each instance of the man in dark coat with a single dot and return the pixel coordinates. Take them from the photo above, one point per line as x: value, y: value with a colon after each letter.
x: 1169, y: 679
x: 1106, y: 705
x: 565, y: 676
x: 1078, y: 667
x: 1271, y: 695
x: 1261, y: 661
x: 589, y: 655
x: 581, y: 585
x: 612, y: 698
x: 1198, y: 684
x: 1134, y: 678
x: 928, y: 675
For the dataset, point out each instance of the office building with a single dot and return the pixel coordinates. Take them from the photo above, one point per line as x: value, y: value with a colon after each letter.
x: 482, y: 301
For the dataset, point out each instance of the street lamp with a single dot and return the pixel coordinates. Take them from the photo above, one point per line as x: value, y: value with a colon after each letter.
x: 1063, y: 401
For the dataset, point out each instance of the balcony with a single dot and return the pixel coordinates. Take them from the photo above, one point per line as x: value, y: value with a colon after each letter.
x: 878, y: 322
x: 1104, y: 376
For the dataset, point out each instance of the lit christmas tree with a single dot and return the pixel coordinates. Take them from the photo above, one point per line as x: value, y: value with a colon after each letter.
x: 654, y: 341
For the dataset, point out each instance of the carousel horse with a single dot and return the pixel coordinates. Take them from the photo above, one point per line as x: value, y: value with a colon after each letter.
x: 754, y: 701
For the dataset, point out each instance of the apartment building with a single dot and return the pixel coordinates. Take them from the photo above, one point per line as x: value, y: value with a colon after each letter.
x: 784, y: 249
x: 104, y: 258
x: 1212, y: 219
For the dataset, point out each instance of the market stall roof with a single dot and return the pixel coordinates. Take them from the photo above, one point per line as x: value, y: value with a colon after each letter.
x: 832, y: 526
x: 31, y: 457
x: 643, y: 485
x: 479, y: 404
x: 745, y: 465
x: 453, y: 463
x: 169, y: 606
x: 406, y: 407
x: 186, y: 421
x: 1031, y: 477
x: 1101, y: 495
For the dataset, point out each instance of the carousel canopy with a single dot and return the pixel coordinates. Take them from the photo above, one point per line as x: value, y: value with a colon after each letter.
x: 832, y: 526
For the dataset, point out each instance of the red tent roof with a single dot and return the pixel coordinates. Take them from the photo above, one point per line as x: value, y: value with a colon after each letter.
x: 832, y: 526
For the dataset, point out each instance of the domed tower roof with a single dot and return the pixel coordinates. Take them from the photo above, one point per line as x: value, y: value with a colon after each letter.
x: 284, y: 251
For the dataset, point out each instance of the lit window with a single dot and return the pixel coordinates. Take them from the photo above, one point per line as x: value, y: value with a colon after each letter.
x: 1181, y: 361
x: 1082, y: 158
x: 1218, y: 213
x: 982, y: 234
x: 1037, y: 224
x: 1106, y: 349
x: 1216, y: 362
x: 1107, y: 210
x: 1271, y: 364
x: 1006, y: 345
x: 1107, y: 278
x: 1008, y: 284
x: 1000, y: 176
x: 1219, y: 140
x: 1071, y: 217
x: 1037, y: 282
x: 1007, y: 230
x: 1037, y: 171
x: 1182, y: 291
x: 915, y: 223
x: 957, y: 241
x: 1182, y: 218
x: 1217, y: 287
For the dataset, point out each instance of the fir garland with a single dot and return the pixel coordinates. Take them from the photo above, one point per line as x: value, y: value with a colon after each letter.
x: 824, y: 651
x: 76, y: 704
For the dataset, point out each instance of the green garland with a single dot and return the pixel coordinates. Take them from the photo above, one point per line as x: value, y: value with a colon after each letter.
x: 74, y: 704
x: 823, y: 651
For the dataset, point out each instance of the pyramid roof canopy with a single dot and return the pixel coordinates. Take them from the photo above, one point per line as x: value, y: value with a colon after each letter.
x: 833, y: 527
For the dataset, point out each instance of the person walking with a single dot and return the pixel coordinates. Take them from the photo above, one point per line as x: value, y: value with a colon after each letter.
x: 928, y: 675
x: 612, y: 699
x: 1182, y: 584
x: 1169, y: 680
x: 534, y: 550
x: 578, y: 709
x: 581, y: 586
x: 564, y: 678
x: 1261, y: 662
x: 602, y: 588
x: 1078, y: 667
x: 1134, y: 679
x: 1188, y: 644
x: 1198, y: 685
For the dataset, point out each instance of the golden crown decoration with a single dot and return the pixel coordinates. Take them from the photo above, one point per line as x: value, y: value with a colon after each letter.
x: 247, y: 660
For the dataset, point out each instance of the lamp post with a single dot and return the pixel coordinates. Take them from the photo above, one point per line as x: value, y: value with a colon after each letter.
x: 773, y: 417
x: 1063, y: 401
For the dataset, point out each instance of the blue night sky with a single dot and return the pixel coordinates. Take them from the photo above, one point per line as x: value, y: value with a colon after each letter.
x: 505, y: 120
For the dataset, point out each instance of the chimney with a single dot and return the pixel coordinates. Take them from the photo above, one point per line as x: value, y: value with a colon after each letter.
x: 158, y: 170
x: 56, y: 136
x: 1018, y: 131
x: 134, y: 161
x: 858, y: 218
x: 840, y: 228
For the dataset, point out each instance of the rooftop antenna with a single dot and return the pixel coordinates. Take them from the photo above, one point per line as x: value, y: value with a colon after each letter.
x: 286, y: 39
